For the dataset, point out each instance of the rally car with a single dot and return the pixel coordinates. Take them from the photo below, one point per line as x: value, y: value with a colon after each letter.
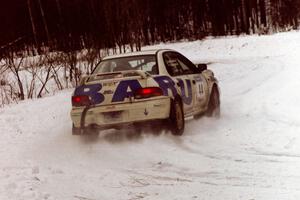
x: 156, y: 87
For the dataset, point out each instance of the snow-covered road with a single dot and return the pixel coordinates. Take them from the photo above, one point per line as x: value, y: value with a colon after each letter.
x: 251, y: 152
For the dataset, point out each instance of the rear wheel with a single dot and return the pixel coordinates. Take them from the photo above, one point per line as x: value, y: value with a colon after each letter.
x: 213, y: 109
x: 176, y: 119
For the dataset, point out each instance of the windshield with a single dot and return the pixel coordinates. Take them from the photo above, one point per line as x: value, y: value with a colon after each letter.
x: 146, y: 63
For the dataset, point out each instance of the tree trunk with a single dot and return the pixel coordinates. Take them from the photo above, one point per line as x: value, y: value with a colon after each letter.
x: 32, y: 22
x: 44, y: 21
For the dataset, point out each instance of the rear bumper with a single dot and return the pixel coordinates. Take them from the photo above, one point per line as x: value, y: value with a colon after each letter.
x: 110, y: 116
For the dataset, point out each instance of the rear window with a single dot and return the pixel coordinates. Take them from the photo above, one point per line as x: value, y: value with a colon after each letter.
x: 145, y: 63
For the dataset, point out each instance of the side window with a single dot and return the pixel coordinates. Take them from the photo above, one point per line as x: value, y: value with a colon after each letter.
x: 173, y: 66
x: 187, y: 66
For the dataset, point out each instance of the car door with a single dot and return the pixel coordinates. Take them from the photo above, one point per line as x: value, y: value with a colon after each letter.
x: 181, y: 80
x: 199, y: 84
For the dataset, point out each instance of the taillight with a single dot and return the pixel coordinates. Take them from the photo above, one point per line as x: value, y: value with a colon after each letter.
x: 148, y: 92
x: 82, y: 100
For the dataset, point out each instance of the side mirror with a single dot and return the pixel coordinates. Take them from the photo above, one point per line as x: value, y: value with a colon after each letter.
x: 201, y: 67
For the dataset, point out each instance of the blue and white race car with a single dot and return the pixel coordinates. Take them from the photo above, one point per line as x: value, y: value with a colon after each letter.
x: 156, y: 87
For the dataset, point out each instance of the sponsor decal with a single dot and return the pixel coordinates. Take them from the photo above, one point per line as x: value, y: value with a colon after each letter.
x: 125, y: 90
x: 186, y: 99
x: 92, y: 91
x: 166, y: 84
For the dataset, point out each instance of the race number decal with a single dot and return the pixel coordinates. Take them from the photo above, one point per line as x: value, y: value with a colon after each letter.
x: 200, y: 94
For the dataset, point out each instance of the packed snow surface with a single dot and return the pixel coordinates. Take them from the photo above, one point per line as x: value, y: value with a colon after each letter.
x: 251, y: 152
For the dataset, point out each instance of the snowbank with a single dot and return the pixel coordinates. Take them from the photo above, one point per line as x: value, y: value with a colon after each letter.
x: 252, y: 152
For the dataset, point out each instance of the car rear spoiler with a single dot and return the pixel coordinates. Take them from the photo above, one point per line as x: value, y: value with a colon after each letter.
x: 128, y: 74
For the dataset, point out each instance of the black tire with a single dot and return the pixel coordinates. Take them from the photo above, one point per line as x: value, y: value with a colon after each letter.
x: 213, y: 109
x: 176, y: 119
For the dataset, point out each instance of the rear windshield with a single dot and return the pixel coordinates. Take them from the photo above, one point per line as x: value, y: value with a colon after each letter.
x: 145, y: 63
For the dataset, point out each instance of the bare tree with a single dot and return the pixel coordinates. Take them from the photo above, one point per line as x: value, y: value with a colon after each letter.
x: 15, y: 66
x: 44, y: 80
x: 32, y: 68
x: 70, y: 62
x: 92, y: 57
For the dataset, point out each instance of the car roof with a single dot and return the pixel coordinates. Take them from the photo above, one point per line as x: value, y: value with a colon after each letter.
x: 136, y: 53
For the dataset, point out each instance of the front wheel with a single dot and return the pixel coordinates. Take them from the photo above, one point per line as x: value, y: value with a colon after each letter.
x: 176, y: 119
x: 213, y: 109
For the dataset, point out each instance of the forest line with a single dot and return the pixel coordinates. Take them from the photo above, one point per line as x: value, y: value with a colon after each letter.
x: 59, y: 25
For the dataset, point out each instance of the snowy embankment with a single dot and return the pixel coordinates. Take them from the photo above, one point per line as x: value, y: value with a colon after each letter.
x: 252, y: 152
